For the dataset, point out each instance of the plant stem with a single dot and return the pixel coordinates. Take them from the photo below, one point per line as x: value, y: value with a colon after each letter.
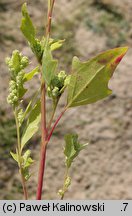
x: 24, y: 185
x: 19, y: 156
x: 55, y: 124
x: 41, y: 172
x: 64, y: 188
x: 49, y: 16
x: 18, y: 132
x: 43, y: 112
x: 43, y: 140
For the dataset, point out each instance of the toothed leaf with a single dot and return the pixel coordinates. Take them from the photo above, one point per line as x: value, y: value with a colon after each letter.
x: 89, y: 80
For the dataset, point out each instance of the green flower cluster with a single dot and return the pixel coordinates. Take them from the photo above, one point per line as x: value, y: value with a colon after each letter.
x: 66, y: 185
x: 26, y: 163
x: 58, y: 83
x: 20, y: 116
x: 37, y: 48
x: 13, y: 93
x: 16, y: 65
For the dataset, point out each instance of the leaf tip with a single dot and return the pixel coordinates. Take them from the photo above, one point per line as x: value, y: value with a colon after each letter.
x: 24, y: 8
x: 123, y: 52
x: 118, y: 59
x: 75, y: 62
x: 125, y: 49
x: 76, y: 59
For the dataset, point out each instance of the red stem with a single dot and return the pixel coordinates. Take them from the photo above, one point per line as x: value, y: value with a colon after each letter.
x: 55, y: 124
x: 43, y: 145
x: 43, y: 120
x: 43, y: 157
x: 41, y: 172
x: 50, y: 18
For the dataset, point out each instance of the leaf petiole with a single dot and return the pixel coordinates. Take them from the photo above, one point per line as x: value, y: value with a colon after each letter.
x: 52, y: 114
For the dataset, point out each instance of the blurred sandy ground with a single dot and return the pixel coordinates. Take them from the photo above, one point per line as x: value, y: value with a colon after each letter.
x: 104, y: 170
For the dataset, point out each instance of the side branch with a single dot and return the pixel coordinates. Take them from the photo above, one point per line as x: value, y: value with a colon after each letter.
x: 55, y: 124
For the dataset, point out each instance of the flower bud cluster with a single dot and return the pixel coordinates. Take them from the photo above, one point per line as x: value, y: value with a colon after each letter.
x: 13, y: 93
x: 26, y: 163
x: 24, y: 62
x: 14, y: 87
x: 19, y: 79
x: 20, y: 116
x: 37, y: 49
x: 16, y: 65
x: 57, y: 84
x: 67, y: 182
x: 61, y: 192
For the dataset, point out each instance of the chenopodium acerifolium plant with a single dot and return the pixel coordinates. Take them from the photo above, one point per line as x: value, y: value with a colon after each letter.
x: 85, y: 84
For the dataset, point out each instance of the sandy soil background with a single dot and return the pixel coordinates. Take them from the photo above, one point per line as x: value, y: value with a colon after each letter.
x: 104, y: 169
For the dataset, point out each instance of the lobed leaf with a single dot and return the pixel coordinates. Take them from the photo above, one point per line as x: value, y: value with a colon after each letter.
x: 89, y: 80
x: 32, y: 124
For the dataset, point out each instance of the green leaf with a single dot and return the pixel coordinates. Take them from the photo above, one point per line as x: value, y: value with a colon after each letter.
x: 72, y: 148
x: 29, y: 32
x: 30, y: 75
x: 32, y: 124
x: 70, y: 140
x: 56, y: 45
x: 27, y: 162
x: 28, y: 109
x: 16, y: 60
x: 27, y: 27
x: 89, y: 80
x: 26, y: 174
x: 49, y: 65
x: 31, y: 104
x: 22, y: 91
x: 14, y: 156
